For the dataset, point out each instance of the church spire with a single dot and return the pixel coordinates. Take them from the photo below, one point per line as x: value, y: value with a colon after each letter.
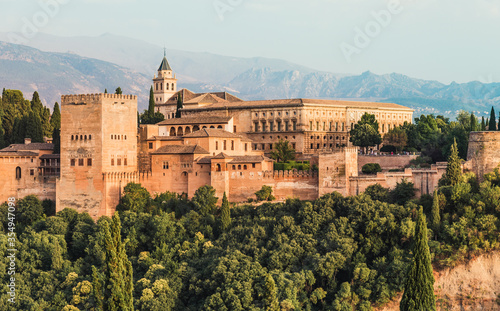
x: 164, y: 63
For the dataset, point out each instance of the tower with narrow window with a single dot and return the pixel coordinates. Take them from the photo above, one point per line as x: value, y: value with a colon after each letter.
x: 98, y: 151
x: 165, y: 84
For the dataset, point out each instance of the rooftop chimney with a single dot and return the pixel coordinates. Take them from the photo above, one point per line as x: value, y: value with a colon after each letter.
x: 27, y: 141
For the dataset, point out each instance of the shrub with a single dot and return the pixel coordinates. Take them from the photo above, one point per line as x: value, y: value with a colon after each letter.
x: 265, y: 194
x: 371, y: 168
x: 388, y: 148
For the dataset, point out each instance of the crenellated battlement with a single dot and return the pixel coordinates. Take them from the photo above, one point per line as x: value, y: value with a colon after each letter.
x: 117, y: 176
x: 85, y: 98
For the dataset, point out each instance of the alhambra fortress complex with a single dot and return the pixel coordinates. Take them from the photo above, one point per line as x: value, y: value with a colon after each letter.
x: 219, y: 140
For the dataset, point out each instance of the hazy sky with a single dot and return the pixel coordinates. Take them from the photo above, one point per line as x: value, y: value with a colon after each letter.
x: 444, y: 40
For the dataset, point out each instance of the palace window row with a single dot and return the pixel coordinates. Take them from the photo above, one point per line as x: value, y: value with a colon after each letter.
x: 273, y: 113
x: 81, y: 137
x: 81, y: 162
x: 224, y: 145
x: 119, y: 161
x: 118, y: 137
x: 159, y: 86
x: 275, y: 126
x: 327, y: 126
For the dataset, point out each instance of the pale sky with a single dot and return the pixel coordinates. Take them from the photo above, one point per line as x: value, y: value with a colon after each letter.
x: 444, y: 40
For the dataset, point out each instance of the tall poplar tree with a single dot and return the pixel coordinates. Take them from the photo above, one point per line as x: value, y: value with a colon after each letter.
x: 151, y: 107
x: 473, y: 122
x: 55, y: 119
x: 33, y: 128
x: 114, y: 285
x: 454, y: 166
x: 483, y: 124
x: 179, y: 105
x: 493, y: 123
x: 225, y: 217
x: 435, y: 213
x: 419, y: 285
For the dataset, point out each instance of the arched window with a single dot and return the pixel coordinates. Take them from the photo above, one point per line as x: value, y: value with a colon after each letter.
x: 111, y: 136
x: 81, y: 137
x: 212, y: 127
x: 180, y: 132
x: 76, y: 137
x: 18, y: 172
x: 244, y: 167
x: 72, y: 137
x: 125, y: 137
x: 90, y: 137
x: 218, y: 169
x: 219, y: 127
x: 216, y: 145
x: 188, y: 130
x: 172, y: 131
x: 234, y: 167
x: 196, y: 128
x: 85, y: 137
x: 239, y: 167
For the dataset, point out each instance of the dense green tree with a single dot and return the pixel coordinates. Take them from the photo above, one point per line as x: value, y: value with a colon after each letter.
x: 105, y: 91
x: 270, y: 296
x: 204, y: 200
x: 403, y: 192
x: 435, y: 213
x: 118, y: 91
x: 55, y: 119
x: 492, y: 125
x: 225, y: 213
x: 377, y: 193
x: 36, y: 103
x: 29, y: 210
x: 473, y: 123
x: 180, y: 105
x: 365, y: 136
x: 34, y: 128
x: 116, y: 281
x: 396, y: 137
x: 369, y: 119
x: 2, y: 132
x: 464, y: 119
x: 483, y: 124
x: 135, y: 198
x: 283, y: 151
x: 265, y: 194
x: 419, y: 285
x: 46, y: 126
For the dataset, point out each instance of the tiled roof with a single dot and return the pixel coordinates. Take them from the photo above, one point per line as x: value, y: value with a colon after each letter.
x: 167, y: 138
x: 250, y: 159
x: 206, y: 132
x: 204, y: 160
x: 164, y: 65
x: 222, y: 155
x: 27, y: 147
x: 196, y: 120
x: 188, y: 97
x: 300, y: 102
x: 18, y: 154
x: 181, y: 149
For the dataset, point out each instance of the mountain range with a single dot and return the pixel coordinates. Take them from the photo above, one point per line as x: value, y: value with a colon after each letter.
x: 65, y: 65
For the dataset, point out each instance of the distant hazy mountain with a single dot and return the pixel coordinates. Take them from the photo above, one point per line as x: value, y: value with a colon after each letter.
x: 53, y: 74
x: 249, y: 78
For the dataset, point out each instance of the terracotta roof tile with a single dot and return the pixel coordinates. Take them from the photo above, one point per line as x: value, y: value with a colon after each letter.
x: 18, y: 154
x: 196, y: 120
x: 222, y: 155
x: 181, y: 149
x: 26, y: 147
x: 206, y: 132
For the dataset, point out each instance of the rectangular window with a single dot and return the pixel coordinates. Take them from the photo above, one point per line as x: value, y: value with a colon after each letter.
x: 383, y: 128
x: 324, y: 126
x: 232, y: 144
x: 263, y: 146
x: 310, y: 125
x: 125, y: 162
x: 119, y: 161
x: 89, y: 162
x: 294, y: 125
x: 286, y: 126
x: 317, y: 125
x: 234, y: 128
x: 342, y: 126
x: 150, y: 145
x: 165, y: 165
x: 225, y: 145
x: 271, y: 126
x: 32, y: 172
x: 80, y: 162
x: 256, y: 126
x: 271, y: 146
x: 293, y: 145
x: 253, y: 165
x: 72, y: 162
x: 336, y: 126
x: 112, y: 162
x: 246, y: 147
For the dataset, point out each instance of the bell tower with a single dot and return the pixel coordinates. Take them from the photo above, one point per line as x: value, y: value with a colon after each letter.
x: 165, y: 84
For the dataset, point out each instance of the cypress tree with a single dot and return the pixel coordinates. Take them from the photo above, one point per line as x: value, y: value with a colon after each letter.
x: 118, y: 91
x: 473, y: 122
x: 454, y: 166
x: 46, y: 126
x: 36, y: 103
x: 151, y: 108
x: 419, y: 285
x: 435, y: 213
x: 55, y: 119
x: 179, y: 105
x: 483, y: 125
x: 225, y: 217
x: 271, y: 299
x: 114, y: 287
x: 56, y: 140
x: 493, y: 123
x: 105, y: 91
x: 33, y: 128
x: 2, y: 140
